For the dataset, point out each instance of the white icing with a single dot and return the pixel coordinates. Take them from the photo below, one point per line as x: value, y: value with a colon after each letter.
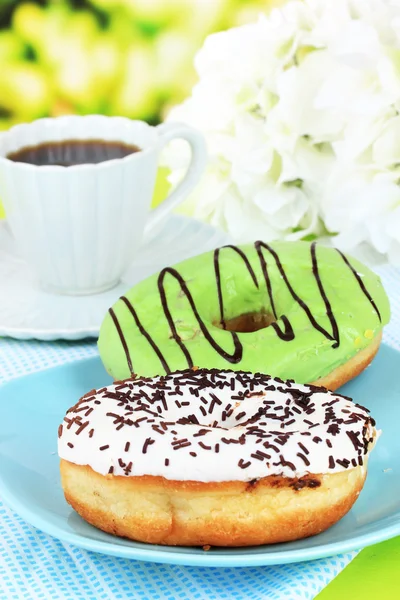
x: 118, y: 417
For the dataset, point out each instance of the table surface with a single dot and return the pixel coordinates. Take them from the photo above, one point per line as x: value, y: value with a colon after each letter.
x: 374, y: 573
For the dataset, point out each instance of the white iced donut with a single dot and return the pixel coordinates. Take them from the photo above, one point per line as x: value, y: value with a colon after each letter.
x: 214, y: 457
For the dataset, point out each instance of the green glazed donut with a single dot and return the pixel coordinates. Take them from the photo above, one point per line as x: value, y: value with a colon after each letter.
x: 290, y: 309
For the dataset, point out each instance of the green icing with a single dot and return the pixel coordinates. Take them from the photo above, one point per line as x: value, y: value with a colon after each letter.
x: 152, y: 347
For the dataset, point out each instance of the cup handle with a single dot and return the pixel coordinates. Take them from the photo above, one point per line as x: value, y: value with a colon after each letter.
x: 196, y: 140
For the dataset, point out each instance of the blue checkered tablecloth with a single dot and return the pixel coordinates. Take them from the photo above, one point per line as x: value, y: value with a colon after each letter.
x: 35, y: 566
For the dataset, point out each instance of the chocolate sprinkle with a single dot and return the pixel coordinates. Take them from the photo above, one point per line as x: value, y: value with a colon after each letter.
x: 145, y: 404
x: 204, y: 446
x: 303, y: 458
x: 303, y: 448
x: 147, y: 443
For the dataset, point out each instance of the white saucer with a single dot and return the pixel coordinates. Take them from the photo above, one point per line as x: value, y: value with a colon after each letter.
x: 27, y: 312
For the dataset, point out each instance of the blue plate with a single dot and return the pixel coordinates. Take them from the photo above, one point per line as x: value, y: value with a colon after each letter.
x: 32, y: 407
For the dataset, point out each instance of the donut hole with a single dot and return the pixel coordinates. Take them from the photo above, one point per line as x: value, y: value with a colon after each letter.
x: 248, y: 322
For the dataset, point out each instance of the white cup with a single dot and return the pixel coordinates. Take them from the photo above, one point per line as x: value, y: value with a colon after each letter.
x: 79, y: 227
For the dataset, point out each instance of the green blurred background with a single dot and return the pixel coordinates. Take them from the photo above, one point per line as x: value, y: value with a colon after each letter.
x: 116, y: 57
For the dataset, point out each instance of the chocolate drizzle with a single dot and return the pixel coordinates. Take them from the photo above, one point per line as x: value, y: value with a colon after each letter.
x: 361, y: 284
x: 146, y: 335
x: 282, y: 326
x: 237, y: 354
x: 299, y: 301
x: 288, y: 334
x: 122, y: 338
x: 218, y: 277
x: 329, y: 313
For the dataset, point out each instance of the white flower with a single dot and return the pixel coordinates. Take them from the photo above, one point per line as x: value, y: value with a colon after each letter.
x: 364, y: 207
x: 362, y: 200
x: 299, y: 111
x: 386, y: 147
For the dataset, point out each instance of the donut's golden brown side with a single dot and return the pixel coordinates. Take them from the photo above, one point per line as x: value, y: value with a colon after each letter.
x: 351, y: 368
x: 189, y: 513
